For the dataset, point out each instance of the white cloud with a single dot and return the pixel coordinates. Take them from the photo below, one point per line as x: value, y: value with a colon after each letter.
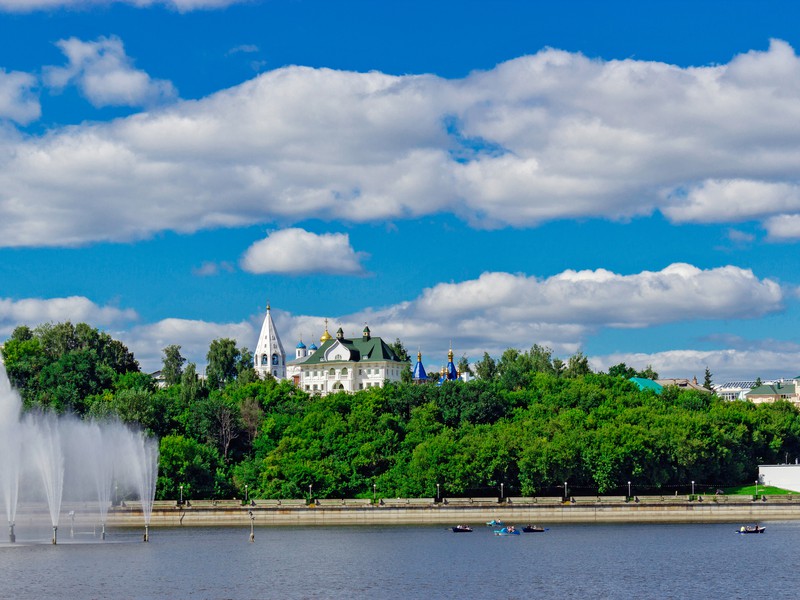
x: 549, y: 136
x: 105, y: 75
x: 194, y: 337
x: 296, y: 251
x: 244, y: 48
x: 34, y: 311
x: 208, y: 269
x: 600, y: 297
x: 733, y: 200
x: 725, y: 365
x: 179, y: 5
x: 783, y: 227
x: 18, y: 102
x: 488, y: 314
x: 502, y: 310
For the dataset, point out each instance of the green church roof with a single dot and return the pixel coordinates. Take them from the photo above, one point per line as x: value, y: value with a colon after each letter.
x: 361, y: 350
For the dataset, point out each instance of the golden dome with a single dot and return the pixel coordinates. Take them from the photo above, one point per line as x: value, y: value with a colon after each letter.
x: 325, y: 336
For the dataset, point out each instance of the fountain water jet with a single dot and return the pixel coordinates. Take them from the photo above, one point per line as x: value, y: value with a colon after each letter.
x: 75, y: 461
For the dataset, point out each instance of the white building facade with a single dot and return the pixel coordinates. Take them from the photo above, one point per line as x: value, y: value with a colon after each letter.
x: 345, y: 365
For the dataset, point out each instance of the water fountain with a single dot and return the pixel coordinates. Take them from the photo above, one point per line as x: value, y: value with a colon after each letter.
x: 45, y: 458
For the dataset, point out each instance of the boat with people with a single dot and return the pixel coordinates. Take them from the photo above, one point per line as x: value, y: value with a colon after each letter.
x: 510, y: 530
x: 534, y: 529
x: 751, y: 529
x: 494, y: 523
x: 462, y: 529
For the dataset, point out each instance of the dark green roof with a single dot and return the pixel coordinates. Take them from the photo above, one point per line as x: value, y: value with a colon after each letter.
x: 772, y: 389
x: 361, y: 350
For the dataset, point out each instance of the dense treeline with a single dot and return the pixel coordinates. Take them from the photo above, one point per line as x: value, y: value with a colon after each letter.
x: 530, y: 423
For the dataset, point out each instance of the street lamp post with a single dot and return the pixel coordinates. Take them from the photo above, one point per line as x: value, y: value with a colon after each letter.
x: 502, y: 494
x: 566, y: 495
x: 310, y: 494
x: 181, y: 502
x: 692, y: 488
x: 246, y: 497
x: 629, y: 489
x: 756, y: 488
x: 438, y: 493
x: 374, y: 492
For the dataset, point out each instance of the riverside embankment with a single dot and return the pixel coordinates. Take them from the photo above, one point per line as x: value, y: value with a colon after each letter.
x: 424, y: 511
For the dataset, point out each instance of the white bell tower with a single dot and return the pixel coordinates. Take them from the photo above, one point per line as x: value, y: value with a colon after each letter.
x: 269, y: 357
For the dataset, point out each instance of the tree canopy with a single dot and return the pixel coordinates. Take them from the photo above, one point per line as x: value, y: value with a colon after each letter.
x: 528, y: 421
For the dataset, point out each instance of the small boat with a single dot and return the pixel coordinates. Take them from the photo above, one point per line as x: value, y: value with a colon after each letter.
x: 534, y: 529
x: 751, y: 529
x: 494, y: 523
x: 462, y: 529
x: 510, y: 530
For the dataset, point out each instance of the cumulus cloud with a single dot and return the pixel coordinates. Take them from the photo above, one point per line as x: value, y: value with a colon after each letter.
x: 18, y: 102
x: 502, y: 310
x: 726, y: 365
x: 297, y: 251
x: 209, y: 269
x: 488, y: 314
x: 34, y: 311
x: 783, y: 228
x: 194, y: 337
x: 550, y: 136
x: 105, y: 75
x: 179, y: 5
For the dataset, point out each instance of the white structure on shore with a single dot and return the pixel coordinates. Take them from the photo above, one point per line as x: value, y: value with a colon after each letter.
x: 269, y: 357
x: 786, y: 476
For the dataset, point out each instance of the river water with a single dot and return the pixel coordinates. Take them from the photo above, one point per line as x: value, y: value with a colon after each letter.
x: 567, y: 561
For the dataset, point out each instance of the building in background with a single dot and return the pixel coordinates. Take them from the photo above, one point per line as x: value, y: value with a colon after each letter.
x: 269, y: 357
x: 343, y: 364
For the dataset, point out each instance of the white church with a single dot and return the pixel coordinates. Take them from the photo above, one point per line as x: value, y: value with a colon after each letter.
x: 339, y: 364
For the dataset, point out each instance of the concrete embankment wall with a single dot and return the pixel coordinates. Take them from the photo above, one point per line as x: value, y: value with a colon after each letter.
x: 657, y: 512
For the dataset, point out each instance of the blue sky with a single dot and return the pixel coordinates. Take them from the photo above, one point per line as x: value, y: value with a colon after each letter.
x: 616, y: 178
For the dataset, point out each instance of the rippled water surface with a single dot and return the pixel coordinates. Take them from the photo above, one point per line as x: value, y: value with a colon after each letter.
x: 568, y: 561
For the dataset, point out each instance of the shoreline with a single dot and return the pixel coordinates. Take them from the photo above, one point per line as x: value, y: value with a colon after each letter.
x: 641, y: 512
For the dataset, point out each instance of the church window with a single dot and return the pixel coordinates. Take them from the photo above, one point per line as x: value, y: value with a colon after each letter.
x: 332, y: 372
x: 274, y: 373
x: 344, y: 371
x: 274, y: 359
x: 264, y: 359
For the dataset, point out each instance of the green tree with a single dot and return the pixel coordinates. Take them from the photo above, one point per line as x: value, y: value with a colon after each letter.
x: 172, y: 367
x: 400, y: 350
x: 187, y: 462
x: 648, y: 373
x: 541, y: 359
x: 577, y: 366
x: 191, y: 386
x: 707, y: 380
x: 486, y: 368
x: 223, y: 361
x: 463, y: 366
x: 622, y: 370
